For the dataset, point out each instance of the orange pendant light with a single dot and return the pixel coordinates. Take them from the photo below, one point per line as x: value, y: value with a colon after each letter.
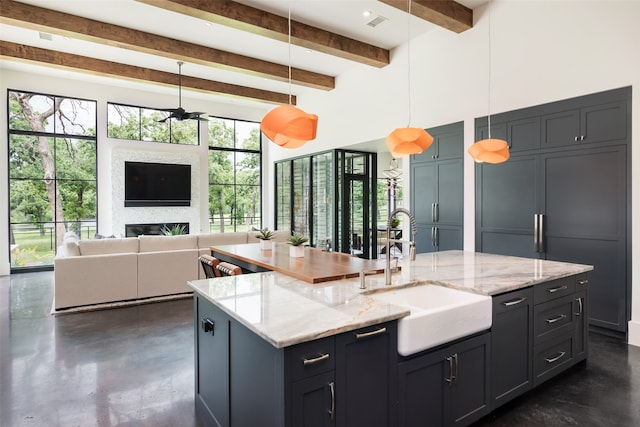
x: 406, y: 141
x: 286, y: 125
x: 490, y: 150
x: 289, y: 126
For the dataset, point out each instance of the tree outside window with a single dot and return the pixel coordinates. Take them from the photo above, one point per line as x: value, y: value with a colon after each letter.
x: 52, y: 174
x: 235, y: 159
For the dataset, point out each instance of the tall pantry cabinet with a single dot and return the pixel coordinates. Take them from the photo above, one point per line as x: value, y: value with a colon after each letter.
x: 437, y: 190
x: 564, y: 194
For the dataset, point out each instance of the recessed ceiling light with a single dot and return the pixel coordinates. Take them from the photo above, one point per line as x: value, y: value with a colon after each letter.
x: 366, y: 13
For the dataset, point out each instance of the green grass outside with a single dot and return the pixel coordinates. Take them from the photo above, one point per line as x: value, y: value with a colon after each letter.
x: 36, y: 249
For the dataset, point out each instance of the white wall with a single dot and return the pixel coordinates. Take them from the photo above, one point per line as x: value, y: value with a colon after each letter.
x: 542, y: 51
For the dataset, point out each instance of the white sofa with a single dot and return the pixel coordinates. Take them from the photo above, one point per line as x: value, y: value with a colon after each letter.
x: 91, y: 272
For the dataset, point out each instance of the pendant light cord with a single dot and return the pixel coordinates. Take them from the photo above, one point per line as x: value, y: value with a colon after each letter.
x: 289, y: 42
x: 489, y: 85
x: 409, y: 61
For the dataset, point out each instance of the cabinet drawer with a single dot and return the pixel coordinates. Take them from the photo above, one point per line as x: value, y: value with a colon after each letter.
x: 551, y: 358
x: 554, y: 289
x: 512, y: 300
x: 553, y: 318
x: 311, y: 358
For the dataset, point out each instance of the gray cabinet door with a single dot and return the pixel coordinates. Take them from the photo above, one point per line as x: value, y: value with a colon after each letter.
x: 511, y: 345
x: 507, y: 198
x: 437, y: 190
x: 312, y: 401
x: 421, y: 391
x: 365, y: 376
x: 450, y: 198
x: 560, y: 128
x: 212, y: 363
x: 585, y: 222
x: 471, y: 387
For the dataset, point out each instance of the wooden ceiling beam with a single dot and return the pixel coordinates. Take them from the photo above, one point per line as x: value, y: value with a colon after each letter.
x: 68, y: 61
x: 444, y: 13
x: 260, y: 22
x: 41, y: 19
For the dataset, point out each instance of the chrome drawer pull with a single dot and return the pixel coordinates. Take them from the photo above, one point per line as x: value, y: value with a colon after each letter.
x: 514, y: 302
x: 559, y: 288
x: 332, y: 411
x: 555, y: 359
x: 579, y: 313
x: 307, y: 362
x: 583, y: 282
x: 372, y: 333
x: 555, y: 319
x: 451, y: 377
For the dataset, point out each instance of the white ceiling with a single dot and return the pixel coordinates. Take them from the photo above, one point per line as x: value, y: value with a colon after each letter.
x: 344, y: 17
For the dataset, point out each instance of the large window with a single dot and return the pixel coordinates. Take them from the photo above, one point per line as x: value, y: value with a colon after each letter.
x: 235, y: 160
x: 52, y: 174
x: 146, y: 124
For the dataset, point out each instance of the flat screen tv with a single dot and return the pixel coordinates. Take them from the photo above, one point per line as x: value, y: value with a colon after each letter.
x: 156, y: 184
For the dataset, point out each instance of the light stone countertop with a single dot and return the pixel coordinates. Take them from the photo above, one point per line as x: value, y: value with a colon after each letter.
x: 285, y: 311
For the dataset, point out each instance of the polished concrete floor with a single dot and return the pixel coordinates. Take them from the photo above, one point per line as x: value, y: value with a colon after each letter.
x: 134, y: 367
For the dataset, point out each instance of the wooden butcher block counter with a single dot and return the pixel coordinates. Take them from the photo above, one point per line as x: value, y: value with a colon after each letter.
x: 316, y: 266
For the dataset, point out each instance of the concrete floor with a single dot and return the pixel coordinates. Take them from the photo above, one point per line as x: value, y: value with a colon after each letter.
x: 134, y: 367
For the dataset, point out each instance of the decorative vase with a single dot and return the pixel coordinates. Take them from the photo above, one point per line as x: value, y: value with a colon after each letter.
x: 296, y: 251
x: 266, y: 245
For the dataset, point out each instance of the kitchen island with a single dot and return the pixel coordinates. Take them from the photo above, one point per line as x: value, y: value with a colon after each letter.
x: 275, y: 350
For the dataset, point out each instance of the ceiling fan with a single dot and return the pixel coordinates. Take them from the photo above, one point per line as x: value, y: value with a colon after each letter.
x: 180, y: 113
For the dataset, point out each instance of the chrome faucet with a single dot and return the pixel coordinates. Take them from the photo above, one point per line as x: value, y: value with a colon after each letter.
x: 412, y: 242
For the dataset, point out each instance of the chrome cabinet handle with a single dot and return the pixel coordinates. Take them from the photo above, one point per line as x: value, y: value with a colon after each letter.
x: 514, y: 302
x: 555, y: 359
x: 455, y: 357
x: 579, y: 313
x: 541, y: 233
x: 559, y: 288
x: 583, y: 282
x: 372, y: 333
x: 556, y: 319
x: 433, y: 212
x: 332, y: 411
x: 437, y: 212
x: 307, y: 362
x: 437, y: 235
x: 433, y: 236
x: 451, y: 377
x: 536, y: 243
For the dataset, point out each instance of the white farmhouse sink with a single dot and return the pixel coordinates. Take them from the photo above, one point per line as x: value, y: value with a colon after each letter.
x: 438, y: 315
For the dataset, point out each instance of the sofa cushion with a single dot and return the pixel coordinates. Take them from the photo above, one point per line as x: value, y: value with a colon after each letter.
x: 167, y: 243
x: 216, y: 239
x: 108, y: 246
x: 70, y: 248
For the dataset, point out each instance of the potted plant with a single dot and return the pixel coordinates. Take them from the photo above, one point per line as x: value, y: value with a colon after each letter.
x: 265, y: 235
x: 395, y: 222
x: 296, y: 241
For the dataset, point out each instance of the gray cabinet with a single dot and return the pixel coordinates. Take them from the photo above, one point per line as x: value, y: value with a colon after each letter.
x: 311, y: 378
x: 536, y: 333
x: 243, y: 381
x: 437, y: 190
x: 511, y: 345
x: 567, y: 199
x: 559, y: 326
x: 448, y: 386
x: 366, y: 376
